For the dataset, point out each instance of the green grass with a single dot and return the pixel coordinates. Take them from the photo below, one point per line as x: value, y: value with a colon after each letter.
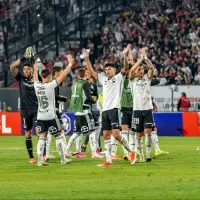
x: 174, y: 176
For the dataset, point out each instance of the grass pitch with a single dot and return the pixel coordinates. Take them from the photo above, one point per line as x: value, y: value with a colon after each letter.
x: 174, y: 176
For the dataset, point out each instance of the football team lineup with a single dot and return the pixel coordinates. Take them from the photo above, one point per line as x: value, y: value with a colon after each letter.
x: 125, y: 116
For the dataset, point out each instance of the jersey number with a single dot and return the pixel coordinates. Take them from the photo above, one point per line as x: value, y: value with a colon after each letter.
x: 136, y: 120
x: 43, y: 102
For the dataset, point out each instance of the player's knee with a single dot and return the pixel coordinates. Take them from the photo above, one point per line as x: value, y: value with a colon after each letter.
x: 28, y: 133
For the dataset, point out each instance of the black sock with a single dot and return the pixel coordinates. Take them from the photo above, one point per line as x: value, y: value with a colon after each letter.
x: 86, y: 140
x: 29, y: 147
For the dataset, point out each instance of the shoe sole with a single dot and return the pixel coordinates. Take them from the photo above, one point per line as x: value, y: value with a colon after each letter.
x: 148, y: 160
x: 100, y: 165
x: 125, y: 158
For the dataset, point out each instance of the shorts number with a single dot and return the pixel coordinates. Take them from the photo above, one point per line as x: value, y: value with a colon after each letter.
x: 136, y: 120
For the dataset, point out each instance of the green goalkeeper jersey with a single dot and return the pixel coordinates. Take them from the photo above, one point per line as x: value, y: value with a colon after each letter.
x: 126, y: 98
x: 76, y: 102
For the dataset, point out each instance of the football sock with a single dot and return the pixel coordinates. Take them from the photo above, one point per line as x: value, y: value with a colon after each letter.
x: 40, y: 148
x: 125, y: 136
x: 114, y: 144
x: 154, y: 138
x: 139, y: 145
x: 132, y: 140
x: 78, y: 143
x: 60, y: 147
x: 148, y: 145
x: 64, y: 141
x: 97, y: 131
x: 92, y: 139
x: 29, y: 147
x: 71, y: 142
x: 48, y: 143
x: 125, y: 144
x: 107, y: 146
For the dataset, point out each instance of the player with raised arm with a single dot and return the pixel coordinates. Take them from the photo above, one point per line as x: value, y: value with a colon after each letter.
x: 56, y: 71
x: 143, y: 121
x: 111, y: 118
x: 80, y: 105
x: 47, y: 121
x: 28, y: 99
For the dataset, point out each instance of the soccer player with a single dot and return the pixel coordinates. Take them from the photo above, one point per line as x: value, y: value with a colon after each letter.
x: 56, y: 71
x: 80, y: 105
x: 28, y: 99
x: 47, y: 121
x: 95, y: 114
x: 111, y: 120
x: 143, y: 121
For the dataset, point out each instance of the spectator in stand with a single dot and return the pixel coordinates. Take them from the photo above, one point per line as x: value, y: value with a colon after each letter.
x: 183, y: 103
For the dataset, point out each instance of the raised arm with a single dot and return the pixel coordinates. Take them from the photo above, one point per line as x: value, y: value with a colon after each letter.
x: 66, y: 70
x: 88, y: 64
x: 150, y: 68
x: 35, y: 73
x: 134, y: 67
x: 13, y: 67
x: 125, y: 53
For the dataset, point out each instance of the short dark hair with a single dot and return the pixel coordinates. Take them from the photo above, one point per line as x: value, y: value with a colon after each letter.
x: 81, y: 72
x: 27, y: 64
x: 56, y: 69
x: 109, y: 65
x: 183, y: 94
x: 45, y: 73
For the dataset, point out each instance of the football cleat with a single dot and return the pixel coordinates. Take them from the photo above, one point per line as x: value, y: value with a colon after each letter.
x: 133, y: 156
x: 83, y: 149
x: 105, y: 164
x: 198, y: 148
x: 42, y: 163
x: 32, y: 160
x: 66, y: 161
x: 115, y: 157
x: 160, y: 153
x: 148, y: 159
x: 80, y: 155
x: 125, y: 157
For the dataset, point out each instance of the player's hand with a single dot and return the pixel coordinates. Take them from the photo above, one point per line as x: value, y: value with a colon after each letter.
x: 67, y: 100
x: 126, y: 49
x: 85, y: 53
x: 70, y: 58
x: 94, y: 97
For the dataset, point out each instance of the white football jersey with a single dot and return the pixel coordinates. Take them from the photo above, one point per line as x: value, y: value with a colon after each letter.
x: 112, y: 90
x: 141, y: 93
x: 46, y: 100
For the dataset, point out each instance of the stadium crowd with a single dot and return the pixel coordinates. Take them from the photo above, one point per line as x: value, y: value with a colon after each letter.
x: 170, y: 29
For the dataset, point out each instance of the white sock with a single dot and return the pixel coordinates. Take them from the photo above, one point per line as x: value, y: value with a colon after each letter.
x: 125, y: 145
x: 48, y: 143
x: 132, y: 140
x: 154, y: 139
x: 125, y: 136
x: 92, y: 140
x: 60, y: 147
x: 40, y: 148
x: 107, y: 146
x: 71, y: 142
x: 97, y: 131
x: 148, y: 145
x: 114, y: 144
x: 139, y: 146
x: 78, y: 143
x: 64, y: 141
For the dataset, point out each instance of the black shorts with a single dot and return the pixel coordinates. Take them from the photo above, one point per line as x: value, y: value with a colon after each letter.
x: 49, y: 126
x: 111, y: 119
x: 127, y: 115
x: 84, y: 124
x: 95, y: 115
x: 142, y: 119
x: 59, y: 117
x: 29, y: 118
